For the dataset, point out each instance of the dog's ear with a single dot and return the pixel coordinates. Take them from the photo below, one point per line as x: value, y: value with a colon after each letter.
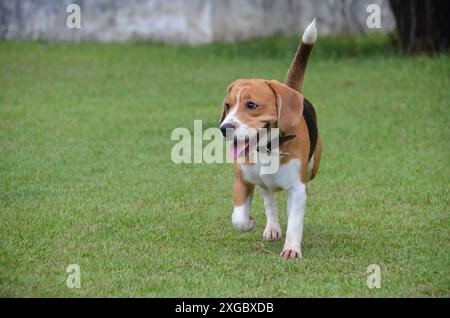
x: 289, y: 105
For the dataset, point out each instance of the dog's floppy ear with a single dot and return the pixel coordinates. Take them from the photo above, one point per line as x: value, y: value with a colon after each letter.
x: 289, y: 105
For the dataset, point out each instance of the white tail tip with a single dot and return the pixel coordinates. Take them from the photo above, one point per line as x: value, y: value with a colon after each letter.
x: 310, y: 34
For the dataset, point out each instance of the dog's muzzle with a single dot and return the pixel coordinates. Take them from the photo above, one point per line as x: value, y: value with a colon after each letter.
x: 224, y: 127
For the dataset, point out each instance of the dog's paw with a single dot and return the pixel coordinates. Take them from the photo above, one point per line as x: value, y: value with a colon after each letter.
x: 291, y: 254
x: 272, y: 233
x: 243, y: 225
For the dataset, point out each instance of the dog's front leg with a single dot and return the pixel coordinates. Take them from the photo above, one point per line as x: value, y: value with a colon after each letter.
x: 243, y: 194
x: 296, y: 211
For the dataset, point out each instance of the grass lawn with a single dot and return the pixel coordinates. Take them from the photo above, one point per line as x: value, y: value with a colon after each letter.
x: 86, y: 175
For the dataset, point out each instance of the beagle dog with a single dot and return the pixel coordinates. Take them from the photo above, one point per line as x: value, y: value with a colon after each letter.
x: 253, y: 104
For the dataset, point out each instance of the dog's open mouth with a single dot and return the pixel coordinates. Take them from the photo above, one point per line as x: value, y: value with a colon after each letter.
x: 239, y: 147
x: 243, y: 145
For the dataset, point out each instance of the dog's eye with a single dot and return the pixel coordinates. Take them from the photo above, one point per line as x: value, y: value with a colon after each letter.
x: 227, y: 106
x: 251, y: 105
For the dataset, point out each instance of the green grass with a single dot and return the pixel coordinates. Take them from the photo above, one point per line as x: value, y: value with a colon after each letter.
x: 86, y: 175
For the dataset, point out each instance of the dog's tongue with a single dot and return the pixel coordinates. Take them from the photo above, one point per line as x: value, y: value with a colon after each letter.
x: 237, y: 148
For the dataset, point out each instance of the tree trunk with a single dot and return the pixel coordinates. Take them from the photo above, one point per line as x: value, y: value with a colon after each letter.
x: 422, y: 25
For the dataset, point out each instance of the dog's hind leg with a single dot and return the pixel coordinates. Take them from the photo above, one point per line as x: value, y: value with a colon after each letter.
x: 317, y: 155
x: 272, y: 231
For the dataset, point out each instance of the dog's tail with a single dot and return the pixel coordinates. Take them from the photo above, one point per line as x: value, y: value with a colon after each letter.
x: 296, y: 73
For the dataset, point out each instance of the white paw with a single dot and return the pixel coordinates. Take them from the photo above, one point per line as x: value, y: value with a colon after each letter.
x: 272, y: 233
x: 243, y: 225
x: 291, y: 253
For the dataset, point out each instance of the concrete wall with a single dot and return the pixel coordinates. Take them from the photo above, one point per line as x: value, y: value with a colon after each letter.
x: 184, y: 21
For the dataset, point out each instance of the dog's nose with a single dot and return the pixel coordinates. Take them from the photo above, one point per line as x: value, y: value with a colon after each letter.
x: 224, y: 128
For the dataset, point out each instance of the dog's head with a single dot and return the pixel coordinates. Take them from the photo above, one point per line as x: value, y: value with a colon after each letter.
x: 254, y: 104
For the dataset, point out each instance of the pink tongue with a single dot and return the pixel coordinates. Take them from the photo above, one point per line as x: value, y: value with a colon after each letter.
x: 235, y: 150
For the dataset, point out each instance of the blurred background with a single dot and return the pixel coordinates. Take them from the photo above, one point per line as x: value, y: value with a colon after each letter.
x: 206, y: 21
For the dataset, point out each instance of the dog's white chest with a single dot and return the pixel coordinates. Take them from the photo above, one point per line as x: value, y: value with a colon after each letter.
x: 287, y: 176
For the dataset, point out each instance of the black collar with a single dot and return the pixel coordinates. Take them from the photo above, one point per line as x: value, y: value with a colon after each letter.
x: 282, y: 139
